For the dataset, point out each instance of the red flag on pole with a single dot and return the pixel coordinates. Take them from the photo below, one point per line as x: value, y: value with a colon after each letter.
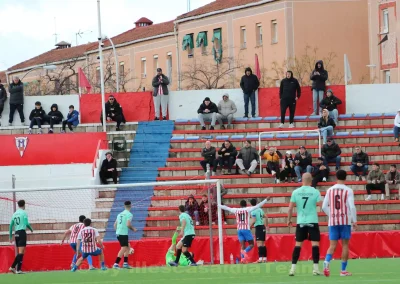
x: 83, y: 81
x: 258, y: 71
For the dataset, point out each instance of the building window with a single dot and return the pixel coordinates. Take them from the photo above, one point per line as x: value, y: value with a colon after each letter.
x: 259, y: 34
x: 201, y: 41
x: 217, y: 45
x: 169, y: 66
x: 144, y: 70
x: 243, y: 39
x: 387, y: 76
x: 155, y: 62
x: 98, y: 75
x: 121, y: 70
x: 274, y: 31
x: 187, y: 44
x: 385, y: 21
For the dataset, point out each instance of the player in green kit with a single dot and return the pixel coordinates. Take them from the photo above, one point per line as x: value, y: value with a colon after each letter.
x: 20, y: 221
x: 187, y: 231
x: 305, y: 198
x: 122, y: 226
x: 260, y: 221
x: 170, y: 255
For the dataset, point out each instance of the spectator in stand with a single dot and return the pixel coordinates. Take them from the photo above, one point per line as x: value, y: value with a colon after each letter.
x: 320, y: 172
x: 207, y: 110
x: 249, y: 84
x: 72, y: 119
x: 326, y: 125
x: 330, y: 102
x: 227, y: 155
x: 208, y: 153
x: 113, y: 112
x: 16, y: 90
x: 204, y: 211
x: 272, y: 156
x: 289, y: 93
x: 303, y: 162
x: 247, y: 159
x: 375, y: 181
x: 160, y: 94
x: 392, y: 181
x: 37, y: 117
x: 192, y: 208
x: 226, y: 109
x: 3, y: 98
x: 109, y: 169
x: 318, y: 77
x: 287, y: 168
x: 359, y: 163
x: 53, y: 117
x: 331, y: 153
x: 396, y: 128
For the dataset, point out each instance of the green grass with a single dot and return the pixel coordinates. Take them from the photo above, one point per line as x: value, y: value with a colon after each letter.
x: 364, y: 271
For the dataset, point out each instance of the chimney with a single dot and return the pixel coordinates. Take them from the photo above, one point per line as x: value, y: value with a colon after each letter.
x: 63, y: 45
x: 143, y: 22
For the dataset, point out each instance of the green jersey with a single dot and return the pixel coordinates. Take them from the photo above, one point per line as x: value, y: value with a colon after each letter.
x: 122, y: 220
x: 306, y: 199
x: 20, y: 221
x: 259, y: 215
x: 183, y: 261
x: 189, y: 228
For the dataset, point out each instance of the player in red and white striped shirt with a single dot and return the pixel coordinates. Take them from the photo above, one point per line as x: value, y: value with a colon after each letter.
x: 339, y: 206
x: 73, y: 231
x: 243, y: 225
x: 89, y: 237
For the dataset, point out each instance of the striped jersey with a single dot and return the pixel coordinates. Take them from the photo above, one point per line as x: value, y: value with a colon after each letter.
x: 75, y: 229
x: 88, y: 238
x: 339, y: 205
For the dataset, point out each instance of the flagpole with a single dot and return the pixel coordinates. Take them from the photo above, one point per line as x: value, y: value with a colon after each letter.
x: 101, y: 68
x: 345, y: 70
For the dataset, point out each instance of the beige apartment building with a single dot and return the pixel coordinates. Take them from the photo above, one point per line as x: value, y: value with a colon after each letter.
x: 226, y: 35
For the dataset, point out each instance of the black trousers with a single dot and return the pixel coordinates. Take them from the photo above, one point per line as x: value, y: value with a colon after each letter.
x: 213, y: 163
x: 118, y: 118
x: 271, y: 166
x: 292, y: 109
x: 52, y: 121
x: 36, y: 121
x: 20, y: 109
x: 221, y: 161
x: 376, y: 186
x: 286, y: 173
x: 318, y: 177
x: 1, y: 108
x: 65, y: 123
x: 104, y: 175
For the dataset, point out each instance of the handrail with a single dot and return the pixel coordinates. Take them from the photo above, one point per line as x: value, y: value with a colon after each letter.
x: 287, y: 131
x: 96, y: 156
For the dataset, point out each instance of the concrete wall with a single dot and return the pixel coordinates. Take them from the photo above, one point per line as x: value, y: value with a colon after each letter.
x: 374, y: 98
x: 184, y: 104
x: 63, y: 103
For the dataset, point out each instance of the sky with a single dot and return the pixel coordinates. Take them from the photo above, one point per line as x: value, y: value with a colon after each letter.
x: 28, y: 26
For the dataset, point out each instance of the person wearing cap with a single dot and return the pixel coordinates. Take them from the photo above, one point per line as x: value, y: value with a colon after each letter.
x: 226, y: 110
x: 396, y: 128
x: 330, y: 102
x: 272, y: 156
x: 303, y: 162
x: 72, y: 119
x: 359, y: 163
x: 375, y: 181
x: 16, y: 90
x: 326, y: 125
x: 331, y: 153
x: 207, y: 110
x: 109, y: 169
x: 287, y: 168
x: 320, y: 172
x: 392, y: 181
x: 160, y: 94
x: 36, y: 117
x: 113, y: 112
x: 247, y: 159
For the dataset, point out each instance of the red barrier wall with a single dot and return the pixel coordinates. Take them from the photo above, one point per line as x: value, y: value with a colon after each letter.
x: 51, y: 149
x: 136, y: 106
x: 269, y: 103
x: 151, y: 252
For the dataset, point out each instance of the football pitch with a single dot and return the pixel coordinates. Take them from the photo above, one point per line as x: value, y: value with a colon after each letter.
x: 364, y: 271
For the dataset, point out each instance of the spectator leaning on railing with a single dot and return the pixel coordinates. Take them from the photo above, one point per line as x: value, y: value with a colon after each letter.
x: 392, y: 181
x: 375, y: 181
x: 396, y: 128
x: 330, y: 102
x: 226, y: 109
x: 359, y: 163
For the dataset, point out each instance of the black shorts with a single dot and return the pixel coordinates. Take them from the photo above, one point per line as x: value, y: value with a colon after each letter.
x: 308, y: 232
x: 20, y: 238
x: 123, y: 240
x: 260, y: 233
x: 187, y: 241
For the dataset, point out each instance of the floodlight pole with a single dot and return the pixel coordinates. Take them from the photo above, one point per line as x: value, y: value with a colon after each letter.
x: 101, y: 68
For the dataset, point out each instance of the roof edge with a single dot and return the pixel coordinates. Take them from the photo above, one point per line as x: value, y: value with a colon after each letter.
x: 44, y: 64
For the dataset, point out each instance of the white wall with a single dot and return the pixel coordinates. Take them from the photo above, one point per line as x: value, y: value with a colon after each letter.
x: 184, y: 104
x: 372, y: 98
x: 63, y: 103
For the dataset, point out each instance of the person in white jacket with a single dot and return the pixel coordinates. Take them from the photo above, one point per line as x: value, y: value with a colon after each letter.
x: 396, y: 128
x: 226, y: 110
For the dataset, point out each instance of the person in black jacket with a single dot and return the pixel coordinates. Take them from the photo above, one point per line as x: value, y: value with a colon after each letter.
x: 320, y: 172
x: 249, y: 84
x: 208, y: 153
x: 16, y: 90
x: 109, y: 169
x: 160, y: 94
x: 326, y: 125
x: 303, y: 162
x: 359, y: 163
x: 227, y: 155
x: 318, y: 77
x: 207, y: 110
x: 53, y: 117
x: 331, y: 153
x: 289, y: 93
x: 113, y: 112
x: 37, y: 117
x: 3, y: 98
x: 288, y: 168
x: 330, y: 102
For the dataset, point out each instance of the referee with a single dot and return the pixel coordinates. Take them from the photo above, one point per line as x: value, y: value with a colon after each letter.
x: 260, y: 221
